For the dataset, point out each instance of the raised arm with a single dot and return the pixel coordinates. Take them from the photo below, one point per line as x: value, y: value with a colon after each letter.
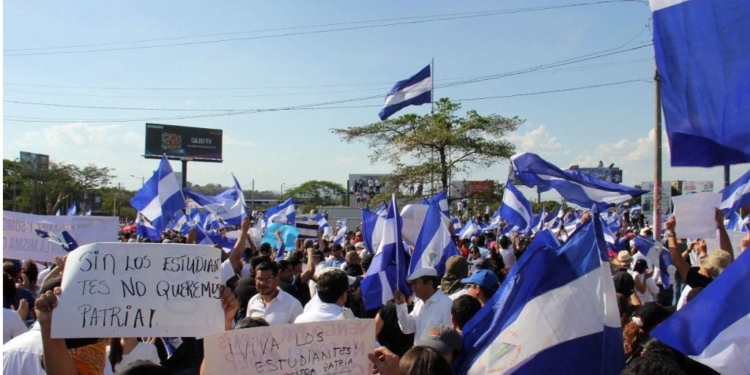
x: 235, y: 256
x: 724, y: 242
x: 677, y: 260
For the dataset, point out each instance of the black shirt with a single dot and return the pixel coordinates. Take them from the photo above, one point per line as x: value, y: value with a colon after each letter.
x: 695, y: 279
x: 391, y: 335
x: 244, y: 290
x: 624, y: 283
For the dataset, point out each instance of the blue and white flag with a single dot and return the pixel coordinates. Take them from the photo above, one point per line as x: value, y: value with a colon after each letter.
x: 340, y: 236
x: 202, y: 237
x: 281, y: 213
x: 228, y: 206
x: 527, y: 326
x: 63, y: 239
x: 145, y: 229
x: 434, y: 244
x: 441, y: 199
x: 310, y: 226
x: 72, y: 210
x: 372, y: 230
x: 88, y: 212
x: 416, y: 90
x: 736, y: 195
x: 658, y: 256
x: 469, y: 229
x: 573, y: 185
x: 211, y: 222
x: 58, y: 212
x: 456, y: 224
x: 713, y: 327
x: 181, y: 223
x: 704, y: 69
x: 387, y: 271
x: 382, y: 209
x: 160, y: 197
x: 515, y: 209
x: 549, y: 220
x: 735, y: 223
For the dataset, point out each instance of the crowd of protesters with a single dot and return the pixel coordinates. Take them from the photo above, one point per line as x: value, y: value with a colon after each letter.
x: 320, y: 280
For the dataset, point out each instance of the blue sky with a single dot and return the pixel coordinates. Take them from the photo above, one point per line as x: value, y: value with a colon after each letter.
x: 611, y: 123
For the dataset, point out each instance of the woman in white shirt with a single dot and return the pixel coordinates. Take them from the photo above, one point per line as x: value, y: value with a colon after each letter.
x: 122, y: 351
x: 645, y: 287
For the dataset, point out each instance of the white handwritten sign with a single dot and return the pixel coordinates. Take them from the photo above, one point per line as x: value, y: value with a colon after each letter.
x: 333, y: 347
x: 21, y: 242
x: 140, y: 289
x: 695, y: 214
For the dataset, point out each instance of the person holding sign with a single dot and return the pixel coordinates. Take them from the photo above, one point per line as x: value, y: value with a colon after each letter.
x: 271, y: 303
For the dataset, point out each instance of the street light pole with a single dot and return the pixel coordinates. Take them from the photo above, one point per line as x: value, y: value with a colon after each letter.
x: 282, y: 189
x: 143, y: 179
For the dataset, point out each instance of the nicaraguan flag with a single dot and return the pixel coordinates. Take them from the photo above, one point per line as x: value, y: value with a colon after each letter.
x: 713, y: 328
x: 441, y: 199
x: 736, y: 195
x: 515, y: 208
x: 704, y: 68
x: 310, y: 226
x: 416, y: 90
x: 434, y: 244
x: 456, y: 224
x: 372, y: 229
x: 281, y: 213
x: 527, y: 327
x: 160, y: 197
x: 58, y: 212
x: 63, y: 239
x: 228, y: 206
x: 735, y: 223
x: 388, y: 268
x: 573, y: 185
x: 469, y: 229
x: 658, y: 256
x: 145, y: 229
x: 72, y: 210
x: 340, y: 235
x: 382, y: 209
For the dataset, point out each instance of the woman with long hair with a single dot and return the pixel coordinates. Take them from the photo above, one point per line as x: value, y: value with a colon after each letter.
x: 124, y: 350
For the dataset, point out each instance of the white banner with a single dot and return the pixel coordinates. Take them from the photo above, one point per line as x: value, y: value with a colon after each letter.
x: 693, y: 187
x: 140, y: 290
x: 695, y: 214
x: 21, y: 242
x: 333, y: 347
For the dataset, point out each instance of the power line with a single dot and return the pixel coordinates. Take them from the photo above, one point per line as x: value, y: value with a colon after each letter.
x: 298, y: 108
x: 545, y: 72
x: 324, y: 31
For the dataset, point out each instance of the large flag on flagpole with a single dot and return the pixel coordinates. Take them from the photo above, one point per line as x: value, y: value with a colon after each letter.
x: 387, y: 271
x: 704, y: 70
x: 555, y: 313
x: 713, y: 327
x: 228, y: 206
x: 573, y: 185
x: 416, y: 90
x: 72, y: 210
x: 283, y: 212
x: 160, y: 197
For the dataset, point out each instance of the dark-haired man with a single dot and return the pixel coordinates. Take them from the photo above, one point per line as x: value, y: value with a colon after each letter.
x: 332, y: 287
x: 271, y: 303
x: 432, y: 307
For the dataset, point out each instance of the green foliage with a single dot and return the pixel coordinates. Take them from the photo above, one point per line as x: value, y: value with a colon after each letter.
x: 312, y: 194
x: 434, y: 147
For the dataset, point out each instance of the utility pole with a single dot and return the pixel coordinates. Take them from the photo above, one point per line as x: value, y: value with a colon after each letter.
x: 657, y: 159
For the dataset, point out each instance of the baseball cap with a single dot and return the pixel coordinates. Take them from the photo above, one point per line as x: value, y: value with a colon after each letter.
x: 442, y: 338
x: 716, y: 262
x: 421, y: 272
x: 484, y: 278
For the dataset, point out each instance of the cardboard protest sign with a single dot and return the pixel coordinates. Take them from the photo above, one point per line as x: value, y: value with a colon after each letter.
x: 138, y: 290
x: 333, y: 347
x: 21, y: 242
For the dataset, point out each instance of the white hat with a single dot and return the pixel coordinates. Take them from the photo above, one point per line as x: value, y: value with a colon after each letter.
x: 420, y: 272
x: 322, y: 270
x: 360, y: 244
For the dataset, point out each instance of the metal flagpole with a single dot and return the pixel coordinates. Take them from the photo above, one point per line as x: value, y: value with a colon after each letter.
x: 657, y: 159
x: 432, y: 114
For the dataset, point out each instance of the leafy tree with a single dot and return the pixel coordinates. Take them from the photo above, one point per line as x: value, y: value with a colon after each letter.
x: 436, y: 145
x: 312, y: 194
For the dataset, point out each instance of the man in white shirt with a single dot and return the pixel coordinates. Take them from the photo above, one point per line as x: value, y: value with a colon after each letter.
x: 506, y: 251
x: 272, y: 304
x: 328, y: 302
x: 13, y: 325
x: 432, y: 308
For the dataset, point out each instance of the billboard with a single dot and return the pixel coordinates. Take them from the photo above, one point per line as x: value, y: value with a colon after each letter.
x: 647, y: 200
x: 183, y: 143
x: 465, y: 189
x: 35, y: 162
x: 605, y: 174
x: 692, y: 187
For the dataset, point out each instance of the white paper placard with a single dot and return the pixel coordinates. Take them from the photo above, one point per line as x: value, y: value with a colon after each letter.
x: 21, y: 242
x: 734, y: 237
x: 695, y: 214
x: 140, y: 290
x: 333, y: 347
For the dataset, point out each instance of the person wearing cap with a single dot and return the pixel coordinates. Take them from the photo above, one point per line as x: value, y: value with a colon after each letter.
x: 432, y: 307
x: 271, y: 303
x: 456, y: 268
x: 442, y: 338
x: 711, y: 266
x: 482, y: 285
x: 328, y: 303
x: 623, y: 280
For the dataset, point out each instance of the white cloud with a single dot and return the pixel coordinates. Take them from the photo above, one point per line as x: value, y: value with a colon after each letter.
x: 229, y: 141
x: 538, y: 141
